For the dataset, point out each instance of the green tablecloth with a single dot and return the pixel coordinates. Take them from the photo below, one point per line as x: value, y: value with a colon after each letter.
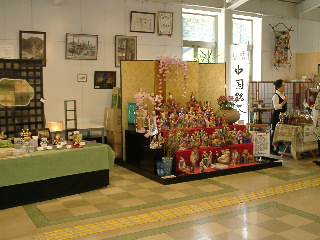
x: 55, y: 163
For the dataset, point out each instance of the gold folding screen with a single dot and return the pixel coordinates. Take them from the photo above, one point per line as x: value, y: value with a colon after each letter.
x: 205, y: 81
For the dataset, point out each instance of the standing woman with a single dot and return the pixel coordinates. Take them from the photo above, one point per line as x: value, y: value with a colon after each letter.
x: 279, y: 101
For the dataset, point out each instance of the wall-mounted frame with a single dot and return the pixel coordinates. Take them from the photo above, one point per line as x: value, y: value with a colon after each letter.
x: 165, y: 23
x: 32, y: 46
x: 125, y: 48
x: 104, y: 79
x: 142, y: 22
x: 81, y: 46
x: 82, y: 77
x: 319, y: 70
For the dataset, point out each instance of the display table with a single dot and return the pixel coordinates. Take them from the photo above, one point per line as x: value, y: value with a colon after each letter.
x: 300, y: 138
x: 53, y: 173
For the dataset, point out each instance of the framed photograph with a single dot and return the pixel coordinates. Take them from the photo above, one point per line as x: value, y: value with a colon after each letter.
x: 32, y: 45
x: 81, y: 46
x: 125, y: 48
x: 319, y: 70
x: 81, y: 77
x: 165, y: 23
x: 104, y: 79
x: 142, y: 22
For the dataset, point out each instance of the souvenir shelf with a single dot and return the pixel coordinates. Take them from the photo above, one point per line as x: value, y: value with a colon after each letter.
x: 13, y: 119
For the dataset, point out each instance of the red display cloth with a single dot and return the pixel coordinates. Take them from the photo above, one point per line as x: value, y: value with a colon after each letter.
x: 209, y: 131
x: 209, y: 170
x: 186, y: 153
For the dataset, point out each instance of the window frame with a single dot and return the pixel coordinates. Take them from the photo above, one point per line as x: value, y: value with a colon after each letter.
x: 202, y: 44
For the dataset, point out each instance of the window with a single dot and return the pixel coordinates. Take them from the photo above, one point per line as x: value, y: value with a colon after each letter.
x: 199, y: 35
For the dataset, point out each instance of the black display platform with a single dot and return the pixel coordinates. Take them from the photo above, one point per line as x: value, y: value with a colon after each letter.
x: 142, y: 160
x: 269, y: 163
x: 20, y: 194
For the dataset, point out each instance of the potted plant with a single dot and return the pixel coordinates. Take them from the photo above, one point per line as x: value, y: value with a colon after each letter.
x: 170, y: 146
x: 226, y: 109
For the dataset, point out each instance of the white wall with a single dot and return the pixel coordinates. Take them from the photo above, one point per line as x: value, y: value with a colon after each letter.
x: 269, y: 72
x: 309, y: 36
x: 106, y: 18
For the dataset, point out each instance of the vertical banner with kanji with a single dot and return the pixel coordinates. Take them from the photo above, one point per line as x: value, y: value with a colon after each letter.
x: 240, y: 74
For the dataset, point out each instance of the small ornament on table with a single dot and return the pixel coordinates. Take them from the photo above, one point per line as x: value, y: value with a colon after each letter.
x: 25, y: 135
x: 204, y: 163
x: 182, y: 165
x: 215, y: 157
x: 3, y: 136
x: 225, y: 157
x: 246, y: 157
x: 77, y: 139
x: 44, y: 142
x: 193, y: 159
x: 235, y: 158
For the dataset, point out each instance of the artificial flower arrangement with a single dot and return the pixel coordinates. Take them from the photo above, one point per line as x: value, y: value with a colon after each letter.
x: 226, y: 102
x: 165, y: 66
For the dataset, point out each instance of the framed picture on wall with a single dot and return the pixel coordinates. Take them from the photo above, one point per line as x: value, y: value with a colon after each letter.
x: 104, y: 79
x: 125, y: 48
x: 319, y: 70
x: 165, y: 23
x: 142, y: 22
x: 32, y: 45
x: 81, y: 46
x: 81, y: 77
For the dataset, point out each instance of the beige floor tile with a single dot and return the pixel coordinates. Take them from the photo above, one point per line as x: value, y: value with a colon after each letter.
x: 158, y: 237
x: 121, y: 183
x: 172, y: 195
x: 77, y: 211
x: 298, y: 234
x: 208, y: 188
x: 130, y: 202
x: 294, y: 220
x: 69, y: 198
x: 150, y: 184
x: 211, y: 229
x: 190, y: 234
x: 14, y: 223
x: 275, y: 226
x: 112, y: 190
x: 75, y: 203
x: 252, y: 232
x: 312, y: 228
x: 49, y: 207
x: 254, y: 217
x: 142, y: 193
x: 54, y: 215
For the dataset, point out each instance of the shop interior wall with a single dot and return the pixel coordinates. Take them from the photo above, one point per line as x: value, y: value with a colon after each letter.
x: 308, y: 56
x: 105, y: 18
x: 274, y: 12
x: 268, y: 71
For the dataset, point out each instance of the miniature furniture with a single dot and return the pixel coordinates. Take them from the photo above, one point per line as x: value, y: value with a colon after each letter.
x: 70, y: 115
x: 50, y: 174
x: 92, y: 130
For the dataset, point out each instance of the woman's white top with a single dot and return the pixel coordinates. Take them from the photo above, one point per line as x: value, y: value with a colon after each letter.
x: 275, y: 100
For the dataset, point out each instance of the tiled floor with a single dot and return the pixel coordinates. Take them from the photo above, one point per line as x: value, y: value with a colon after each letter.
x: 277, y: 203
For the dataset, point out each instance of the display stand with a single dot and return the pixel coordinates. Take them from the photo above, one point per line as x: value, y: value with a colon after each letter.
x: 142, y: 160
